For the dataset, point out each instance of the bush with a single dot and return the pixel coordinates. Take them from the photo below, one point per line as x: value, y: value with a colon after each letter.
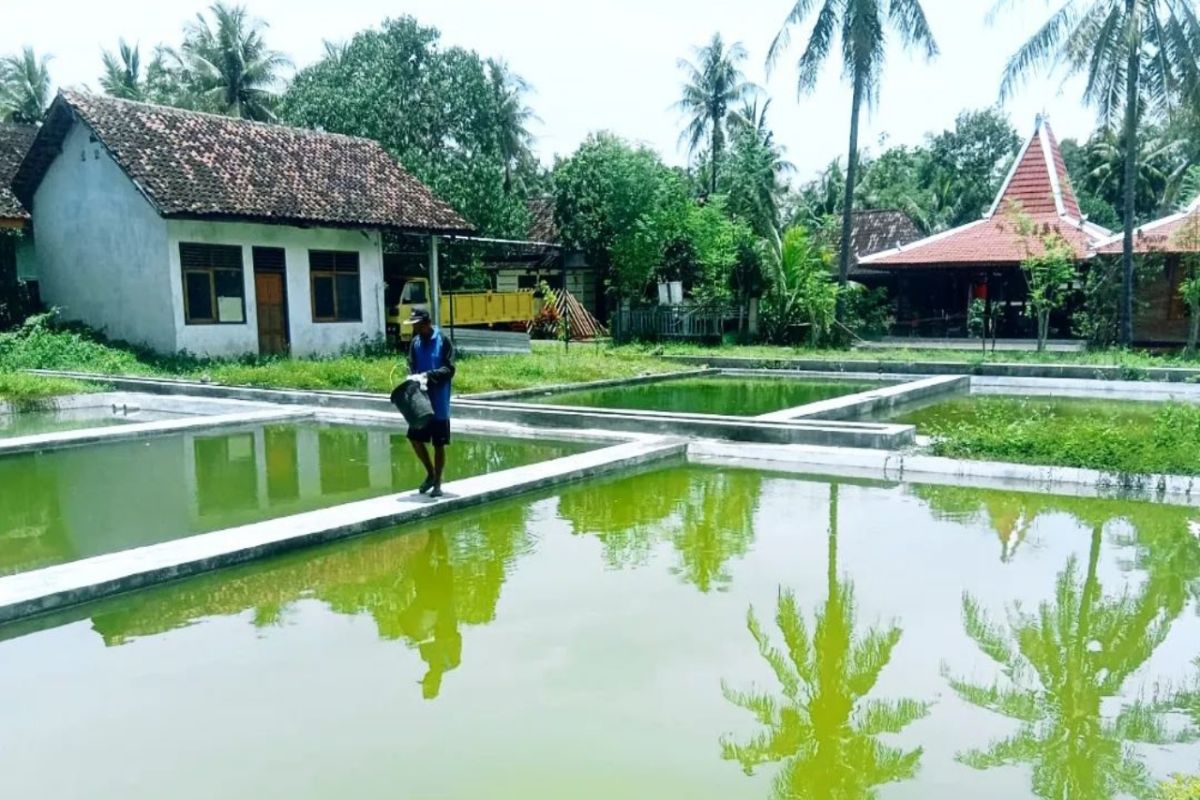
x: 1180, y: 788
x: 39, y: 344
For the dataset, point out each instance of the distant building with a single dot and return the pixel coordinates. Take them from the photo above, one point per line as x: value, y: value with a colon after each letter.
x: 16, y: 242
x: 874, y: 230
x: 936, y: 278
x: 1161, y: 316
x: 528, y: 269
x: 178, y: 230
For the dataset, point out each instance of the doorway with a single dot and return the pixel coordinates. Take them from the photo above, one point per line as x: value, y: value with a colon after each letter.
x: 270, y: 292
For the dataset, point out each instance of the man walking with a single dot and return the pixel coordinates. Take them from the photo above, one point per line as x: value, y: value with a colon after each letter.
x: 432, y: 355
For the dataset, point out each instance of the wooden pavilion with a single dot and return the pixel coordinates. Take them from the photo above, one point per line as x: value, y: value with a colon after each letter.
x: 937, y: 278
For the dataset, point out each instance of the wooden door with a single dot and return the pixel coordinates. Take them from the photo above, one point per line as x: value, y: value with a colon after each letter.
x: 271, y: 300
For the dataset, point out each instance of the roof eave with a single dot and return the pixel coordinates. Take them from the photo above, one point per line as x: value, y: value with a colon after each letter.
x: 306, y: 222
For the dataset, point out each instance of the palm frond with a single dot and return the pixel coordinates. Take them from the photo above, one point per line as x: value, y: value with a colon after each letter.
x: 909, y: 18
x: 1040, y: 51
x: 783, y: 39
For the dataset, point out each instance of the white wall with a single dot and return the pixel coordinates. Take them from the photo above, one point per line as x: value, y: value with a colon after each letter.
x: 101, y: 247
x: 307, y: 337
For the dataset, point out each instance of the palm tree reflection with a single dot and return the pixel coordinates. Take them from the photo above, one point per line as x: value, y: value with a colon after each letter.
x: 1059, y: 664
x: 825, y: 729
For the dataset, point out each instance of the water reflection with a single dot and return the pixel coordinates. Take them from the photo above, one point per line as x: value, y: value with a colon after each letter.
x: 706, y: 514
x: 1058, y: 666
x: 419, y: 588
x: 70, y: 504
x: 825, y: 729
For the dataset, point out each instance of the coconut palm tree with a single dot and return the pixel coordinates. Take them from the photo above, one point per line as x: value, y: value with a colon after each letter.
x: 1137, y: 57
x: 862, y: 26
x: 757, y: 170
x: 123, y: 72
x: 226, y: 65
x: 1059, y: 665
x: 24, y: 87
x: 714, y: 84
x: 512, y: 116
x: 824, y: 729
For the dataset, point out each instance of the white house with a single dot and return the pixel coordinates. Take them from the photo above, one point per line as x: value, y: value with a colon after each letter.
x: 183, y: 231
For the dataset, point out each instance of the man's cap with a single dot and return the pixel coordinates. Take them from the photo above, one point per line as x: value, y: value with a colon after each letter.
x: 418, y: 316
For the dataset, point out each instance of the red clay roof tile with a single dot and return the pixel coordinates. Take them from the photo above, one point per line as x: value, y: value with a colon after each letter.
x: 193, y: 165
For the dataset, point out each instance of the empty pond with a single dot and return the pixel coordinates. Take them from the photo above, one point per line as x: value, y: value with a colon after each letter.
x: 609, y: 640
x: 63, y: 505
x: 732, y: 395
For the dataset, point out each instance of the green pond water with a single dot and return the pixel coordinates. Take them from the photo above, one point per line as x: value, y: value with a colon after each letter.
x: 68, y: 504
x: 32, y: 423
x: 610, y: 641
x: 728, y: 395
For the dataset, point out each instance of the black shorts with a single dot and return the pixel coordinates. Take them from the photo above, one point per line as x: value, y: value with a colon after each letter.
x: 436, y: 433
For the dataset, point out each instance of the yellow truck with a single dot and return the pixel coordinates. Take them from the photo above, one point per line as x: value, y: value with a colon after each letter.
x: 461, y: 309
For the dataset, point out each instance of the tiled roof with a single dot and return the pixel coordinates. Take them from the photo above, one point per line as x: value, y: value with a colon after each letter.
x: 195, y: 165
x: 14, y: 144
x: 1161, y: 236
x: 879, y: 229
x: 541, y: 225
x: 1039, y: 186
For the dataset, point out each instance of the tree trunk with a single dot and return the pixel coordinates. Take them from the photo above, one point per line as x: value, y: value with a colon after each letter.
x: 1129, y: 189
x: 1193, y: 329
x: 831, y: 567
x: 714, y: 158
x: 848, y: 206
x: 1043, y: 323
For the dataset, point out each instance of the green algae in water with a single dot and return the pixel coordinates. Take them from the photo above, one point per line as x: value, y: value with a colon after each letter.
x: 728, y: 395
x: 74, y: 503
x: 593, y: 643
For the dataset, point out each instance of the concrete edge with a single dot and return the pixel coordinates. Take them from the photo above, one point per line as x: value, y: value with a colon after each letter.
x: 562, y: 388
x: 873, y: 400
x: 1007, y: 369
x: 392, y: 419
x: 59, y: 440
x: 746, y: 429
x: 1088, y: 389
x: 900, y: 467
x: 53, y: 588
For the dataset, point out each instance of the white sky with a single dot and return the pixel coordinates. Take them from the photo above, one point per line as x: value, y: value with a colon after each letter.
x: 612, y: 64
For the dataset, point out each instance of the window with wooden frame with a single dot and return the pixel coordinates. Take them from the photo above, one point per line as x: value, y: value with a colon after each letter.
x: 214, y: 289
x: 336, y: 294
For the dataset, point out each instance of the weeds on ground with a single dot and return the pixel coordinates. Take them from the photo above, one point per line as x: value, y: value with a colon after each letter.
x: 30, y: 392
x: 1027, y: 431
x: 1180, y: 788
x: 40, y: 344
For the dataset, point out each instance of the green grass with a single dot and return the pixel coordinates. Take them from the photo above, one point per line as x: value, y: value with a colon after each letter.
x: 1126, y: 439
x: 544, y: 367
x: 32, y: 391
x: 38, y: 345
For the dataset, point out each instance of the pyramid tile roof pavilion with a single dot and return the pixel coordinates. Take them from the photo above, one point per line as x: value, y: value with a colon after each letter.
x: 1038, y: 184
